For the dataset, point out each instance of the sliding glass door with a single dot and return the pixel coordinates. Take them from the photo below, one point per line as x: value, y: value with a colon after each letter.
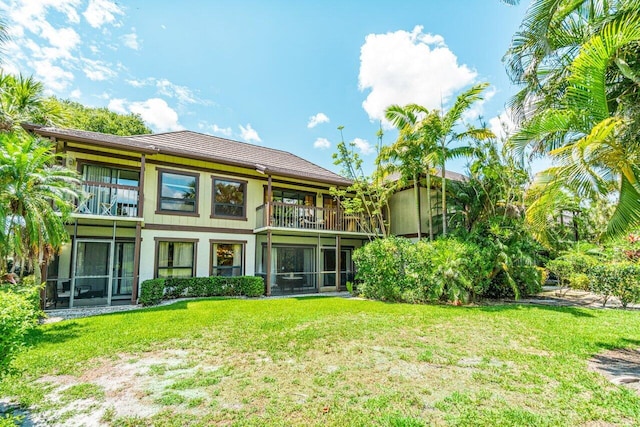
x: 90, y: 285
x: 103, y: 272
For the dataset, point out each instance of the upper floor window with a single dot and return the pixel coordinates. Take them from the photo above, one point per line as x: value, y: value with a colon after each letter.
x: 229, y: 198
x: 178, y: 192
x: 108, y: 175
x: 293, y: 197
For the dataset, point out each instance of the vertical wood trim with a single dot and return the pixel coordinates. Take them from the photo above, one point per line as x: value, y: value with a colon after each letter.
x: 136, y: 264
x: 143, y: 162
x: 338, y: 266
x: 268, y: 279
x: 267, y: 222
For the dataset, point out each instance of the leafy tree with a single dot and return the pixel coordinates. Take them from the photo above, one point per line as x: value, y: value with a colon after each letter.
x: 101, y: 120
x: 577, y: 62
x: 444, y: 128
x: 414, y: 151
x: 36, y: 198
x: 371, y: 192
x: 22, y: 100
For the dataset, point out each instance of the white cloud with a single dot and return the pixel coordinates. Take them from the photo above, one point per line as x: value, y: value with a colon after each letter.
x: 100, y: 12
x: 97, y: 70
x: 182, y: 93
x: 322, y: 143
x: 157, y: 113
x: 249, y: 134
x: 138, y: 83
x: 215, y: 129
x: 131, y: 40
x: 477, y: 109
x: 223, y: 131
x: 53, y: 77
x: 502, y: 126
x: 118, y: 105
x: 364, y: 146
x: 409, y: 67
x: 317, y: 119
x: 75, y: 94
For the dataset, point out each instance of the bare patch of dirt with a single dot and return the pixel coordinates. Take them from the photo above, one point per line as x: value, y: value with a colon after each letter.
x: 620, y: 366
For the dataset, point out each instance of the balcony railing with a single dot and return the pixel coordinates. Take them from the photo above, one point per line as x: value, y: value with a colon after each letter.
x: 298, y: 217
x: 108, y: 200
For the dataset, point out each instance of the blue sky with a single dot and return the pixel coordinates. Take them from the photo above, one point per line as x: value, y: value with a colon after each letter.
x: 283, y: 74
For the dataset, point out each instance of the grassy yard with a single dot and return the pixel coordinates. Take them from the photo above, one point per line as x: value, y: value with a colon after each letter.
x: 328, y: 361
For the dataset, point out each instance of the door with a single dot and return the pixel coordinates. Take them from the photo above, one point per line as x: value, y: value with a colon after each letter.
x: 92, y: 276
x: 329, y: 267
x: 122, y: 282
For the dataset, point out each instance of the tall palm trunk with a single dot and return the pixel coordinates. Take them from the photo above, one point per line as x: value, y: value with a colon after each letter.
x: 416, y: 190
x: 444, y: 191
x: 429, y: 210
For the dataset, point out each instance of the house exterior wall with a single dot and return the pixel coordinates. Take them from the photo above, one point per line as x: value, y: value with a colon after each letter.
x: 403, y: 211
x: 148, y: 227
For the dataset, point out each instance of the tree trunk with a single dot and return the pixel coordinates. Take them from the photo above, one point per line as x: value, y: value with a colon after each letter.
x: 416, y: 189
x: 429, y: 210
x: 444, y: 192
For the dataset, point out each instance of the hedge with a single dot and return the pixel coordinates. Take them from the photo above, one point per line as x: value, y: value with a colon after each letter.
x: 154, y: 290
x: 19, y: 312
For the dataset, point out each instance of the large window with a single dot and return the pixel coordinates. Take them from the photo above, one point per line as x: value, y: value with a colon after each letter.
x: 175, y: 259
x: 227, y: 259
x: 229, y: 198
x: 178, y: 192
x: 293, y: 197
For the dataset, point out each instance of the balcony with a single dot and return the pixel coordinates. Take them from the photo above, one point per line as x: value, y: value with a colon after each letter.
x: 111, y: 200
x: 313, y: 218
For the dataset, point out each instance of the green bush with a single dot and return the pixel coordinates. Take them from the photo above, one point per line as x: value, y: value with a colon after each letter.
x: 381, y: 269
x: 395, y: 269
x: 251, y: 286
x: 620, y: 279
x: 152, y: 291
x: 579, y: 281
x: 19, y: 313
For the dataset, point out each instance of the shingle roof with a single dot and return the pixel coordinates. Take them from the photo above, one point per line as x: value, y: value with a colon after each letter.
x: 199, y: 146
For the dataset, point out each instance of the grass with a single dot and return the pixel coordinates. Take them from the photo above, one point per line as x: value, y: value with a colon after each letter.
x: 331, y: 361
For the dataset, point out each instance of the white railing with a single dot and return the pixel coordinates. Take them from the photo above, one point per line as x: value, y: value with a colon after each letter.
x: 108, y: 200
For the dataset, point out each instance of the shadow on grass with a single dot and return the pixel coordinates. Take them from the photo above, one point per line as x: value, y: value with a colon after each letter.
x: 574, y: 311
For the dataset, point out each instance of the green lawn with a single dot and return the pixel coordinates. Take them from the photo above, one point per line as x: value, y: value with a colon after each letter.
x: 329, y: 361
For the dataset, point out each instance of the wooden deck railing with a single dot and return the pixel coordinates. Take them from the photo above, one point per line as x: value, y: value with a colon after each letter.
x: 299, y: 217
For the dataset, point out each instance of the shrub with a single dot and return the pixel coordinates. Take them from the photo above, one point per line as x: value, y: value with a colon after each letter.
x: 579, y: 281
x: 19, y: 313
x: 395, y: 269
x: 628, y: 288
x: 152, y: 291
x: 251, y: 286
x: 621, y: 280
x: 381, y: 268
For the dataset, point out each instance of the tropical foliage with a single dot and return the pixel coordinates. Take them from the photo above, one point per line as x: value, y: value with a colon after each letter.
x: 78, y: 116
x: 36, y: 198
x: 22, y: 99
x: 577, y: 64
x: 368, y: 195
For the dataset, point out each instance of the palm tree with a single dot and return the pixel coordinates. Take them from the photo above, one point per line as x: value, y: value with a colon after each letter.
x: 586, y: 115
x: 414, y: 150
x: 22, y: 100
x: 36, y: 198
x: 444, y: 128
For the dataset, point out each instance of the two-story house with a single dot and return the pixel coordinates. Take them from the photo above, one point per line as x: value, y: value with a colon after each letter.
x: 185, y: 204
